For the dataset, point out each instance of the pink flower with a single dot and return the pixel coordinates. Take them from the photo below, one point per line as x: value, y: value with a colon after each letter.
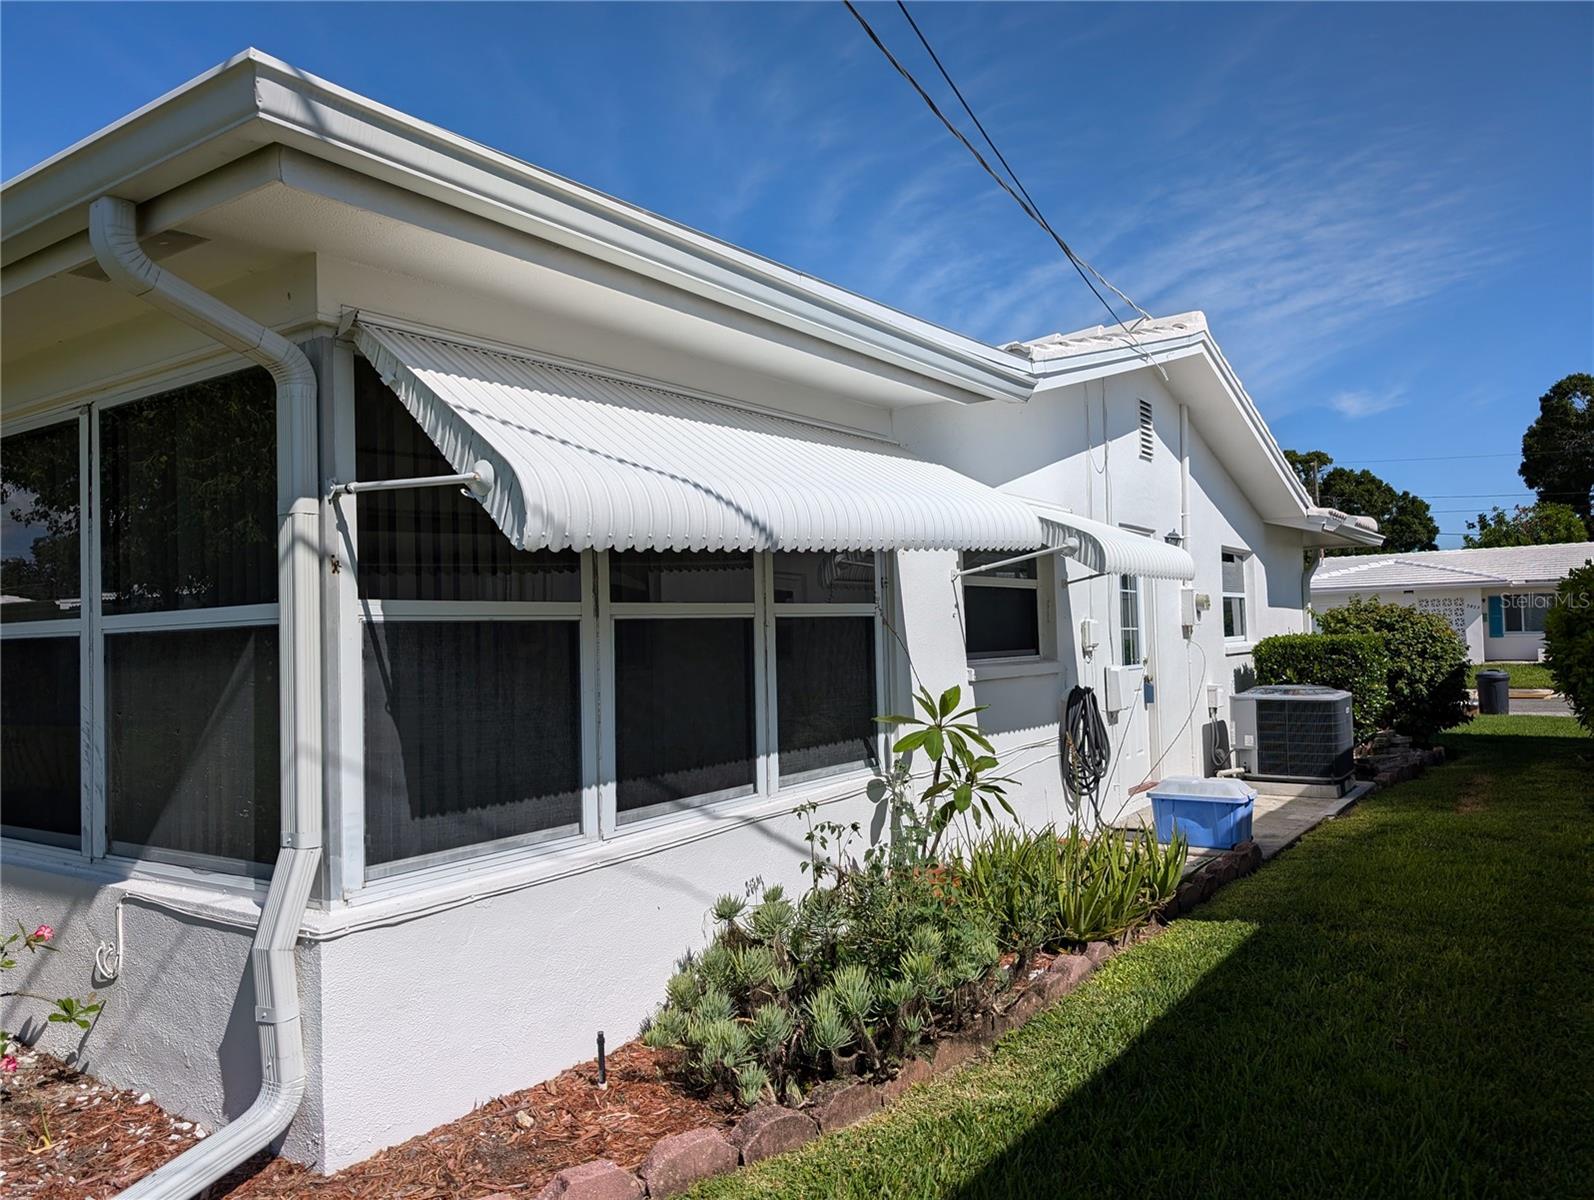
x: 8, y: 1064
x: 43, y: 933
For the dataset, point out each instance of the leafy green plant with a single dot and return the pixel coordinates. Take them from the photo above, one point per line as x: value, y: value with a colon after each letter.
x: 1353, y: 662
x: 64, y: 1010
x: 1569, y: 642
x: 1426, y: 663
x: 963, y: 762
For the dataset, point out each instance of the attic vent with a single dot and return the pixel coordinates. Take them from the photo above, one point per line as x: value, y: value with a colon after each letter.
x: 1147, y: 441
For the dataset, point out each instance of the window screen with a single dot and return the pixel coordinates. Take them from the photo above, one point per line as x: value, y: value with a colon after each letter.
x: 684, y: 710
x: 685, y: 577
x: 472, y: 733
x: 1129, y: 621
x: 825, y: 689
x: 189, y: 510
x: 845, y: 577
x: 1001, y: 622
x: 435, y: 543
x: 39, y: 563
x: 40, y: 739
x: 192, y: 742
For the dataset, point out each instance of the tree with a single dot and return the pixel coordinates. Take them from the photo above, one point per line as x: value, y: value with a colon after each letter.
x: 1540, y: 524
x: 1558, y: 448
x: 1404, y: 519
x: 1309, y: 467
x: 1569, y: 642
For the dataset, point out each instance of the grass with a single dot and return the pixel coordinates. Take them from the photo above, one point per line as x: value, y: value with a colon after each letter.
x: 1523, y: 674
x: 1399, y: 1006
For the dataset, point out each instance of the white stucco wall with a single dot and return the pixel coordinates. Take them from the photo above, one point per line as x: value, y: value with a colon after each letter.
x: 423, y: 1000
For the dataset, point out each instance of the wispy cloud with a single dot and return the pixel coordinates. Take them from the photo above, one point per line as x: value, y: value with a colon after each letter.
x: 1355, y: 405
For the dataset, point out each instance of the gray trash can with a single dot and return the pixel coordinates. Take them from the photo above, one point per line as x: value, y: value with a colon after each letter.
x: 1494, y: 692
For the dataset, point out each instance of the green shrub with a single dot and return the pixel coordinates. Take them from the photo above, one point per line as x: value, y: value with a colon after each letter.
x: 851, y: 977
x: 1353, y: 662
x: 1569, y: 642
x: 1042, y: 890
x: 1427, y: 663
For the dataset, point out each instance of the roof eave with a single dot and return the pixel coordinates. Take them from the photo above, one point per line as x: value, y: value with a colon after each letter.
x: 253, y: 100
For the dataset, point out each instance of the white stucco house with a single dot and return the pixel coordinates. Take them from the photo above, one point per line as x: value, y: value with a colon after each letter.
x: 494, y: 747
x: 1496, y: 599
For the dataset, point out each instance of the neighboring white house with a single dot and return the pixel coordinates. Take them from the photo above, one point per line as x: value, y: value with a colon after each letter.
x: 506, y: 742
x: 1495, y: 599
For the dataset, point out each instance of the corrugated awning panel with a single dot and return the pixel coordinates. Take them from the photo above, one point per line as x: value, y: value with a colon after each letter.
x: 1110, y: 550
x: 588, y: 461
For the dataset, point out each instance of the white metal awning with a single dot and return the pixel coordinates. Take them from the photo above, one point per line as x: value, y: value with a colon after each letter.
x: 585, y: 460
x: 1112, y: 551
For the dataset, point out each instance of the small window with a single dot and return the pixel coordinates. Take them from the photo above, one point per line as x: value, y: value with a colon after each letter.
x: 472, y: 733
x: 1525, y: 613
x: 39, y: 524
x: 1130, y: 654
x: 668, y: 577
x: 435, y: 543
x: 39, y: 739
x: 192, y: 743
x: 189, y: 507
x: 1234, y: 626
x: 1001, y: 608
x: 1148, y: 439
x: 844, y: 577
x: 684, y: 712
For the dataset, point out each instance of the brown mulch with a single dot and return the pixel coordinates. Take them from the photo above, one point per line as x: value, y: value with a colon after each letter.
x: 101, y: 1140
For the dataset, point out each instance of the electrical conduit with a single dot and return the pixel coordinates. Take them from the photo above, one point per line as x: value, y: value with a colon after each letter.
x: 114, y: 235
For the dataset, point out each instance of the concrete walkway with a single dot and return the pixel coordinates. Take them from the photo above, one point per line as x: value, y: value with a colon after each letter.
x: 1280, y: 817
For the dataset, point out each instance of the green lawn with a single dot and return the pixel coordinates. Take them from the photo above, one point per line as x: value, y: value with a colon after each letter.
x: 1399, y: 1006
x: 1523, y: 674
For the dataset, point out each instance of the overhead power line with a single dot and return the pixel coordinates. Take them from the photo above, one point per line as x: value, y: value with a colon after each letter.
x: 1015, y: 189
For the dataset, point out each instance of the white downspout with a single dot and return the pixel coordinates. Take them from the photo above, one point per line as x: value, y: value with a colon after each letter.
x: 113, y: 233
x: 1184, y: 475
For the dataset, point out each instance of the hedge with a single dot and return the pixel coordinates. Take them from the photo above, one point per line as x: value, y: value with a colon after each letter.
x: 1569, y: 642
x: 1353, y: 662
x: 1427, y: 664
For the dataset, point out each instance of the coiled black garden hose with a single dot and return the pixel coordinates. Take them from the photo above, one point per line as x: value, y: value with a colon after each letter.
x: 1087, y: 750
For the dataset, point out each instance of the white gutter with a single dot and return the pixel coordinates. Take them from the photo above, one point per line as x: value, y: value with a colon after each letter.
x: 113, y: 233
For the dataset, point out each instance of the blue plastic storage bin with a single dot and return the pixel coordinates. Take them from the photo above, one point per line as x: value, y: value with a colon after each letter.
x: 1214, y: 814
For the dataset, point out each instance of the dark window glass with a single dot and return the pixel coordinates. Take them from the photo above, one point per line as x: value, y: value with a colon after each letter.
x: 191, y: 726
x: 190, y: 497
x: 472, y: 733
x: 435, y: 543
x: 689, y: 577
x: 1001, y: 622
x: 39, y: 563
x: 1028, y: 569
x: 40, y: 739
x: 825, y: 686
x: 845, y: 577
x: 684, y: 709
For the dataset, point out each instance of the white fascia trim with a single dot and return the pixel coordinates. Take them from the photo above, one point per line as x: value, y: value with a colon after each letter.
x: 258, y: 100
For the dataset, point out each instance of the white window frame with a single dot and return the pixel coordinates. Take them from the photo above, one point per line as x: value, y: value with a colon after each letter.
x: 1243, y: 595
x: 1042, y: 586
x: 93, y: 626
x: 1519, y: 603
x: 346, y: 613
x: 773, y: 612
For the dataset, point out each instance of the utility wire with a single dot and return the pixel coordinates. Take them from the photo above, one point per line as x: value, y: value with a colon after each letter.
x: 1034, y: 207
x: 1022, y: 200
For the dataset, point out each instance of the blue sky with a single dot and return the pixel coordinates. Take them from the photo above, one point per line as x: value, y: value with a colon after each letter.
x: 1386, y: 211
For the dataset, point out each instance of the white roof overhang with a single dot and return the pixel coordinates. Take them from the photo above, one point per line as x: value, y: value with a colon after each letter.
x: 1108, y: 550
x: 254, y: 101
x: 590, y: 460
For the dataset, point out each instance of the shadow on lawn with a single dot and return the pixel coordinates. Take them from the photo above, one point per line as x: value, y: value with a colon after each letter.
x: 1408, y: 1015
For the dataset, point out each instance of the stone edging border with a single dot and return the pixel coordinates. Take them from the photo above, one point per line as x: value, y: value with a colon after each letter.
x: 681, y: 1160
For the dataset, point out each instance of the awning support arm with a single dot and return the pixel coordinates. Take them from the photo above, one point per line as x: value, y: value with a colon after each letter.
x: 478, y: 480
x: 1067, y: 547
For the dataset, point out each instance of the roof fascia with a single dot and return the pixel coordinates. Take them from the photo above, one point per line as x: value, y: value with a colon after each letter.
x: 253, y: 100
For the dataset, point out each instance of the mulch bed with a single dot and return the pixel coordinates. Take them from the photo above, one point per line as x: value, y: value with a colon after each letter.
x: 101, y: 1139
